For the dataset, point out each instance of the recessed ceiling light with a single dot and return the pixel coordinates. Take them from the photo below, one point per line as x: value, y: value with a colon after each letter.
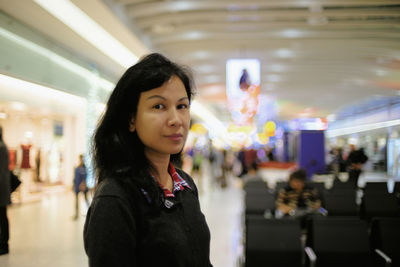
x: 291, y: 33
x: 194, y: 35
x: 284, y: 53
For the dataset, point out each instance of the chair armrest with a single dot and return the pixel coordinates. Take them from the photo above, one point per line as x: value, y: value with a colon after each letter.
x: 385, y: 257
x: 311, y: 256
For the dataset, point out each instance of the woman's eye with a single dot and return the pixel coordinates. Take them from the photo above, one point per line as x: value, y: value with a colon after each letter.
x: 183, y: 106
x: 158, y: 106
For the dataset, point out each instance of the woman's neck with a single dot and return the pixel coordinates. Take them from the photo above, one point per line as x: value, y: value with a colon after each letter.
x: 160, y: 163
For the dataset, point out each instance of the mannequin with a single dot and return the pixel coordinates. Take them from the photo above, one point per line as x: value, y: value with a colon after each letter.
x: 26, y: 171
x: 25, y: 163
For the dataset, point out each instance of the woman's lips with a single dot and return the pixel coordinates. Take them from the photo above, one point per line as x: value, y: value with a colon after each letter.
x: 175, y: 137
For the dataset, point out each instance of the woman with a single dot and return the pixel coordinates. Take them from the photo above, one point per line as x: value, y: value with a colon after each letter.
x: 145, y: 212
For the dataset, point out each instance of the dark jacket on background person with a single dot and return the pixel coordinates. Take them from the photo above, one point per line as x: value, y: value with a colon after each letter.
x: 357, y: 156
x: 147, y: 232
x: 80, y: 176
x: 4, y: 176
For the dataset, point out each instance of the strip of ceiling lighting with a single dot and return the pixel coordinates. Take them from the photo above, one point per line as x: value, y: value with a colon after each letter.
x: 89, y: 30
x: 41, y: 94
x: 361, y: 128
x: 61, y: 61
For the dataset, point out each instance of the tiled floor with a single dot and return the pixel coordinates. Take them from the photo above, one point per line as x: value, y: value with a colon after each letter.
x: 43, y: 233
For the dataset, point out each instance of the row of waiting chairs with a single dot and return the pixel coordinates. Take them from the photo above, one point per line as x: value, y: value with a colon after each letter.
x: 329, y: 241
x: 339, y: 201
x: 338, y: 186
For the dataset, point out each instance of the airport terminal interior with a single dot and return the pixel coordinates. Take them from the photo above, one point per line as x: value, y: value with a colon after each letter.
x: 294, y: 133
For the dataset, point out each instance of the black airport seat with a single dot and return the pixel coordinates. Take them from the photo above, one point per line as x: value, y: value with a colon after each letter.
x: 396, y: 191
x: 342, y: 187
x: 341, y: 204
x: 272, y: 242
x: 336, y: 241
x: 259, y: 204
x: 379, y: 205
x: 385, y: 240
x: 376, y: 188
x: 255, y: 184
x: 257, y: 190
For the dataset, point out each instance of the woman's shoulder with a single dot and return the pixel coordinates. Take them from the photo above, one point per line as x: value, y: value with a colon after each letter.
x: 114, y: 187
x: 108, y: 187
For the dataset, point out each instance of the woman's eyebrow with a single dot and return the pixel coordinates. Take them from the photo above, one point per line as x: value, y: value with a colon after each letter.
x: 163, y: 98
x: 156, y: 96
x: 183, y: 98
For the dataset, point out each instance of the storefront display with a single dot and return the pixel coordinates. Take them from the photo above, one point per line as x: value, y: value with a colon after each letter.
x: 36, y: 142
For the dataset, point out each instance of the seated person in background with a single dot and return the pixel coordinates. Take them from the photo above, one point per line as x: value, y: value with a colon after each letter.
x: 297, y: 196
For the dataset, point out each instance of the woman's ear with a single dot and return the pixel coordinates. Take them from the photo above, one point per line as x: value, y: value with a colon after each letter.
x: 132, y: 125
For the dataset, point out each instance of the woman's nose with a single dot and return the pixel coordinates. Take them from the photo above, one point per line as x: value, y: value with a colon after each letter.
x: 174, y: 119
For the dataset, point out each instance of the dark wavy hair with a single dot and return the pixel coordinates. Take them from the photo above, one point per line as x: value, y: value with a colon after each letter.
x: 117, y: 152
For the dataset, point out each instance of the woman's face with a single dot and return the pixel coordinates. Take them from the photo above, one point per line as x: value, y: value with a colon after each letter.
x: 162, y: 118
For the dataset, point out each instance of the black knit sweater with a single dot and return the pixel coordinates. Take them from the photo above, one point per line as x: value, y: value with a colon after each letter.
x: 124, y: 227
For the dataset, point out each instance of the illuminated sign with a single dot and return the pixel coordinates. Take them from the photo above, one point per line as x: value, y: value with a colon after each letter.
x: 243, y: 89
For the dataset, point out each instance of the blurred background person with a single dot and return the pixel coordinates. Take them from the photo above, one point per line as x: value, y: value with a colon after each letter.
x: 336, y: 162
x: 5, y: 195
x: 297, y: 197
x: 355, y: 161
x: 80, y: 185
